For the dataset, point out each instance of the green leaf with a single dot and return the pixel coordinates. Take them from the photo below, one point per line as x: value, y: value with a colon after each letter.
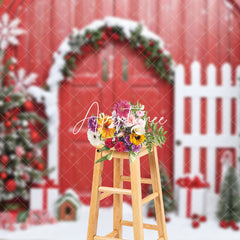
x: 106, y: 157
x: 104, y: 148
x: 22, y: 216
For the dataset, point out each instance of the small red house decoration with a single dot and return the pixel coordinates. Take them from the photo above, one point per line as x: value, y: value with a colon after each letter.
x: 68, y: 206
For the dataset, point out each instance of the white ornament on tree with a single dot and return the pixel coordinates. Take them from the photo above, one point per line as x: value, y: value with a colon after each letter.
x: 9, y: 31
x: 22, y: 80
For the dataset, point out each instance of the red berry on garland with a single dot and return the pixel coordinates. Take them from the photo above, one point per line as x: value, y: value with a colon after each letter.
x: 8, y: 124
x: 40, y: 166
x: 4, y: 159
x: 89, y: 36
x: 115, y: 36
x: 100, y: 42
x: 11, y: 67
x: 223, y: 224
x: 10, y: 185
x: 104, y: 36
x: 3, y: 175
x: 7, y: 99
x: 140, y: 47
x: 195, y: 224
x: 28, y: 106
x: 67, y: 57
x: 203, y: 219
x: 29, y: 155
x: 151, y: 43
x: 109, y: 29
x: 160, y: 51
x: 149, y: 53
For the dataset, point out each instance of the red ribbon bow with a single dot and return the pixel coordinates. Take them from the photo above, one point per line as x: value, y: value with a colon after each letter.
x: 196, y: 182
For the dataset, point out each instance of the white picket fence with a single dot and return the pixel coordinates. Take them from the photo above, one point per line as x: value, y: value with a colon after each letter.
x: 211, y: 140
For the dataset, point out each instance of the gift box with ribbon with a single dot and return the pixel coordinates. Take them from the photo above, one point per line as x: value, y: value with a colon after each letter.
x: 191, y: 196
x: 43, y: 196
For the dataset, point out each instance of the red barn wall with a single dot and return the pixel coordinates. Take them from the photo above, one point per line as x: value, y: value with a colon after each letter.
x: 203, y: 30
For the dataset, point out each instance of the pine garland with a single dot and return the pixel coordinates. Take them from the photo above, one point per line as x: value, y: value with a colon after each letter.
x: 93, y: 40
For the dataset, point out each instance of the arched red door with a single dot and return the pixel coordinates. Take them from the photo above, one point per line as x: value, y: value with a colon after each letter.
x: 115, y: 72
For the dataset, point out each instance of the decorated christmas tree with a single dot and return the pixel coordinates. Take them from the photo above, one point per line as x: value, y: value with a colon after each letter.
x: 168, y: 199
x: 21, y: 160
x: 229, y: 199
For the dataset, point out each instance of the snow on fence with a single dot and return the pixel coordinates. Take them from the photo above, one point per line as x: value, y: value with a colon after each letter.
x: 206, y: 121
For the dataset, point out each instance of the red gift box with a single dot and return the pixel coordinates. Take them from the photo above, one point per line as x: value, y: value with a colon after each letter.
x: 191, y: 195
x: 43, y: 196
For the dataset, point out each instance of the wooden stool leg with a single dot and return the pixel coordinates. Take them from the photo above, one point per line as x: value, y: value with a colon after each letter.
x: 136, y: 199
x: 117, y: 198
x: 95, y: 198
x: 156, y: 185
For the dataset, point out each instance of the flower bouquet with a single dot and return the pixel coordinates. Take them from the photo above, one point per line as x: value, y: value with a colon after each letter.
x: 126, y: 130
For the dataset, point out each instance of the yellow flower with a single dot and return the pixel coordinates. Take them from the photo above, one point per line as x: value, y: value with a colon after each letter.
x: 137, y: 139
x: 104, y: 122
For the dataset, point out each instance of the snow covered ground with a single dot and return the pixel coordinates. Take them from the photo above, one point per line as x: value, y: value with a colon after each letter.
x: 178, y: 229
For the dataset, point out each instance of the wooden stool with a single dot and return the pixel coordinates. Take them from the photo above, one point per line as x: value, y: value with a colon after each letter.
x: 99, y: 193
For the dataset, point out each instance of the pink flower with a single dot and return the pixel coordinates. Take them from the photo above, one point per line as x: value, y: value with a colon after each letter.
x: 109, y: 143
x: 131, y: 120
x: 140, y: 122
x: 120, y: 147
x: 19, y: 151
x: 140, y: 113
x: 122, y: 108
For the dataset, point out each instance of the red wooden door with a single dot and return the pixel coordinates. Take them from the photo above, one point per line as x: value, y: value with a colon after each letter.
x: 129, y: 79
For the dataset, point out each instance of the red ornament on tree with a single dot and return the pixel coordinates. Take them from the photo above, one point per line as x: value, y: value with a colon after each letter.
x: 15, y: 118
x: 29, y: 155
x: 34, y: 136
x: 7, y: 99
x: 4, y: 159
x: 40, y: 167
x: 28, y: 106
x: 11, y: 67
x: 3, y: 175
x: 8, y: 124
x: 10, y: 185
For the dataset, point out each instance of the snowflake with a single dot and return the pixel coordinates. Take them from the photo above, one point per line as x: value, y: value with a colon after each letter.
x: 9, y: 31
x: 23, y: 81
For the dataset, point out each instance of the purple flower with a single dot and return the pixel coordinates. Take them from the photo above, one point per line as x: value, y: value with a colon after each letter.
x: 122, y: 108
x: 136, y: 148
x: 127, y: 140
x: 127, y: 148
x: 92, y: 123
